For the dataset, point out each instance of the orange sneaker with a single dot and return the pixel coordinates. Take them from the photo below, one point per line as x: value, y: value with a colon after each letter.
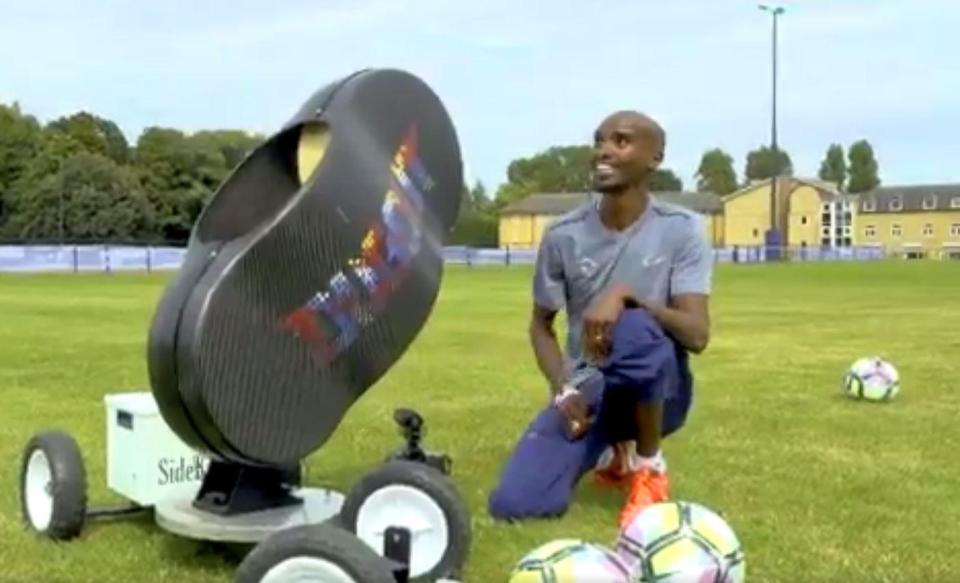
x: 612, y: 469
x: 647, y: 487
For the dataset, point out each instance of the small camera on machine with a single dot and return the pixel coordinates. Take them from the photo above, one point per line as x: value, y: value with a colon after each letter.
x: 412, y: 429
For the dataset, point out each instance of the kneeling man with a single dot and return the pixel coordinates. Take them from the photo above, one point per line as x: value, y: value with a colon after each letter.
x: 634, y: 276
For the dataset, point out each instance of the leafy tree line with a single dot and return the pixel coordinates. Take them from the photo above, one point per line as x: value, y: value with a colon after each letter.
x: 77, y: 178
x: 855, y: 172
x: 567, y: 169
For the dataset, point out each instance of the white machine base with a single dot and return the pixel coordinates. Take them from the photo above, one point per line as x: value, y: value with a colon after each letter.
x: 177, y: 515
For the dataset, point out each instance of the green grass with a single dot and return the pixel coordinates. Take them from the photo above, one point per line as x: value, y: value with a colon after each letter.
x: 818, y: 488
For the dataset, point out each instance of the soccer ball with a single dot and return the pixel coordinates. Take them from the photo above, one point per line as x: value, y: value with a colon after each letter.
x: 570, y: 561
x: 681, y: 542
x: 871, y: 379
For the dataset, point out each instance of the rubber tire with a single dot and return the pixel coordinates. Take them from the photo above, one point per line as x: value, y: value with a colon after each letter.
x: 69, y: 484
x: 438, y: 487
x: 325, y: 540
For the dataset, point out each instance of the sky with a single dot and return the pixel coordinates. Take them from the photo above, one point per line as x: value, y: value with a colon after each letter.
x: 517, y: 77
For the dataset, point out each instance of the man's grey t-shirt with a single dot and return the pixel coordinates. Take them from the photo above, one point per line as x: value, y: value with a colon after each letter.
x: 662, y: 254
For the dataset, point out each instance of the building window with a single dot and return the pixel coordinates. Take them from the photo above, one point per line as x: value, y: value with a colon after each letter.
x: 896, y: 203
x: 928, y: 230
x: 756, y: 233
x: 847, y: 242
x: 955, y: 230
x: 955, y: 202
x: 895, y: 230
x: 803, y: 220
x: 870, y: 205
x: 870, y: 231
x: 930, y: 202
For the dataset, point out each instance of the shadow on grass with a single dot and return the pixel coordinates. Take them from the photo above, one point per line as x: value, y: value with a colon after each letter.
x: 591, y: 496
x: 140, y: 521
x: 222, y: 559
x: 205, y: 555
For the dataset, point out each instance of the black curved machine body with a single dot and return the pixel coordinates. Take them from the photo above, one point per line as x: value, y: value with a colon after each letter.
x: 309, y: 273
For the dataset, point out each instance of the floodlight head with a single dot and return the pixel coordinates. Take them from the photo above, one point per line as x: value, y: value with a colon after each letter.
x: 310, y: 272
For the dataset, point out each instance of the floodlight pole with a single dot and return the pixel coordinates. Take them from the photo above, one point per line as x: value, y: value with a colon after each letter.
x: 60, y: 218
x: 775, y: 11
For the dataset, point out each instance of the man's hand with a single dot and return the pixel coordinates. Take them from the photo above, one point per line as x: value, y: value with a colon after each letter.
x: 571, y: 403
x: 599, y: 321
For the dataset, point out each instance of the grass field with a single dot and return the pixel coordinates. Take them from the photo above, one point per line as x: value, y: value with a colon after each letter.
x: 818, y: 488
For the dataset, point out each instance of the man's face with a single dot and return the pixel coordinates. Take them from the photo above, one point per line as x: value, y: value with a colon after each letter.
x: 627, y: 149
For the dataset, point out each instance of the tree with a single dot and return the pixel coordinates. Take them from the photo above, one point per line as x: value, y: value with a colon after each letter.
x: 664, y: 180
x: 715, y: 173
x: 557, y: 169
x: 864, y: 173
x: 20, y: 142
x: 477, y: 222
x: 478, y: 195
x: 55, y: 147
x: 50, y: 149
x: 764, y: 163
x: 234, y: 145
x: 475, y: 199
x: 92, y: 196
x: 180, y: 175
x: 834, y: 166
x: 96, y: 134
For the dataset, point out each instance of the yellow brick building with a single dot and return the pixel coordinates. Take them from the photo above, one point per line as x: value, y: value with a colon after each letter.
x: 523, y: 222
x: 912, y: 221
x: 806, y: 212
x: 906, y: 221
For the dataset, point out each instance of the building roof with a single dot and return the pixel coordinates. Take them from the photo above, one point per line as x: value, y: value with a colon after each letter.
x: 546, y: 203
x: 557, y: 203
x: 922, y: 197
x: 789, y: 184
x: 824, y: 185
x: 701, y: 202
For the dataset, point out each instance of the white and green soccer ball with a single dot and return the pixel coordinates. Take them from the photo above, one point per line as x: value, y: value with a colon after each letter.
x: 681, y: 542
x: 871, y: 379
x: 570, y: 560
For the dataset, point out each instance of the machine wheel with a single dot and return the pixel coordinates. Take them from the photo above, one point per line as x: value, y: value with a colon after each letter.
x: 53, y: 486
x: 313, y: 553
x: 417, y: 497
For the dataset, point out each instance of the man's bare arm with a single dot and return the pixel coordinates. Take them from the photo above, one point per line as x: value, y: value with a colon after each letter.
x: 686, y: 317
x: 546, y: 347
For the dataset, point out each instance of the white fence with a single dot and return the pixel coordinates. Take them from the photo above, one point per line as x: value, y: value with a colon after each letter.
x: 77, y: 258
x: 108, y: 258
x: 472, y: 256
